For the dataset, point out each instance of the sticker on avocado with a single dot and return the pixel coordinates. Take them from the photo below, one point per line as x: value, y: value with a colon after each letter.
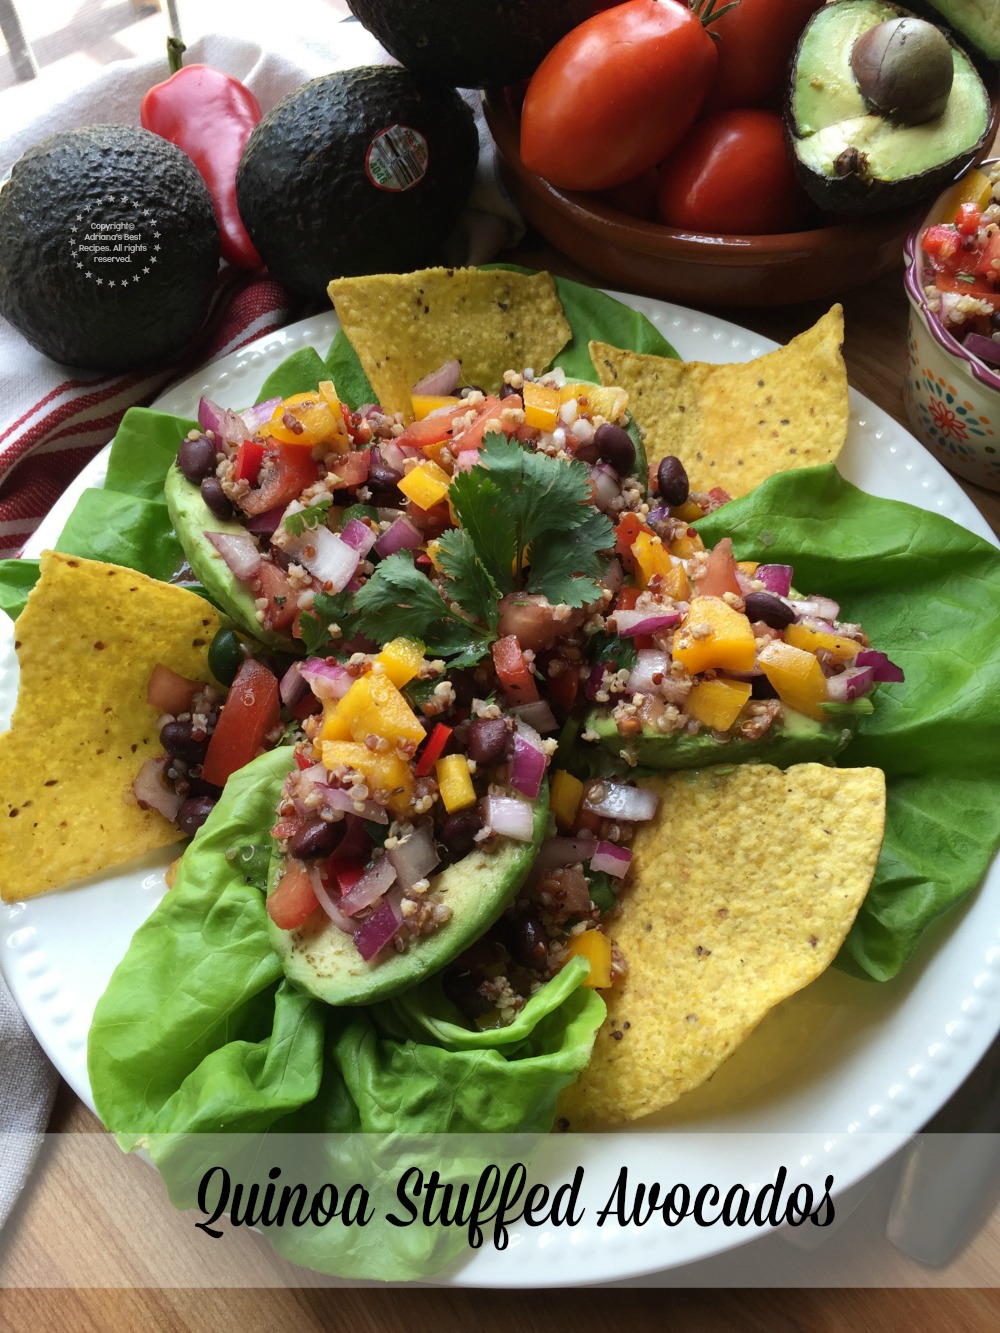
x: 397, y: 158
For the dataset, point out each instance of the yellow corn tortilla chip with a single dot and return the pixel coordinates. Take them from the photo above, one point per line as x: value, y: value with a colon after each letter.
x: 403, y: 326
x: 745, y: 886
x: 735, y: 425
x: 87, y: 641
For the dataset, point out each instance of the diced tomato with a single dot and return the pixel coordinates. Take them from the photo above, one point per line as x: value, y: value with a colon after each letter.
x: 433, y: 430
x: 294, y: 899
x: 473, y: 436
x: 513, y: 671
x: 989, y: 261
x: 169, y: 692
x: 271, y: 582
x: 967, y: 218
x: 352, y: 468
x: 433, y: 750
x: 978, y: 287
x: 627, y: 597
x: 940, y: 242
x: 284, y: 475
x: 306, y: 706
x: 629, y: 527
x: 431, y: 522
x: 563, y: 688
x: 719, y: 576
x: 251, y: 710
x: 249, y: 457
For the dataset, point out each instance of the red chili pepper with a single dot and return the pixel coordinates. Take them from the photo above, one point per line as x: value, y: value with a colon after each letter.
x: 210, y: 116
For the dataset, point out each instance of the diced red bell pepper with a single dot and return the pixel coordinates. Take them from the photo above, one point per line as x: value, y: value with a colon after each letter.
x: 251, y: 710
x: 249, y: 457
x: 343, y: 871
x: 513, y: 671
x: 294, y: 899
x: 284, y: 474
x: 433, y: 750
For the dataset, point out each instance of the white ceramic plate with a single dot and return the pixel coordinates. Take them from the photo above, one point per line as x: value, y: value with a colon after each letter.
x: 830, y: 1080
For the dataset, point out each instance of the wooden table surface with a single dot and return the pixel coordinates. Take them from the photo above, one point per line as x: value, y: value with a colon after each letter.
x: 57, y: 1209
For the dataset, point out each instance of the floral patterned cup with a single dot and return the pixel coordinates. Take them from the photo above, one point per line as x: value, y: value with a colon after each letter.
x: 952, y: 399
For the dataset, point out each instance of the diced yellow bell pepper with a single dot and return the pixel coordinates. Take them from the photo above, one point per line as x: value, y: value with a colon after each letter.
x: 455, y: 782
x: 400, y: 659
x: 676, y: 584
x: 841, y: 649
x: 713, y: 634
x: 685, y: 546
x: 717, y: 703
x: 597, y: 400
x: 321, y: 420
x: 426, y: 403
x: 384, y: 773
x: 427, y: 484
x: 595, y: 946
x: 373, y: 706
x: 565, y: 795
x: 797, y: 677
x: 651, y: 558
x: 972, y: 188
x: 541, y: 405
x: 689, y: 512
x: 748, y: 567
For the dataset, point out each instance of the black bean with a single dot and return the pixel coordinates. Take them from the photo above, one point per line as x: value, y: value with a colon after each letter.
x: 528, y: 942
x: 317, y: 838
x: 506, y: 390
x: 672, y: 481
x: 216, y: 498
x: 179, y: 740
x: 488, y: 740
x: 769, y: 608
x: 381, y: 476
x: 458, y: 832
x: 615, y: 448
x: 197, y: 458
x: 464, y: 686
x: 193, y: 813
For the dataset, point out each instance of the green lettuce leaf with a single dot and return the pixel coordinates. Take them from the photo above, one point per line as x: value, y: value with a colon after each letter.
x: 17, y: 578
x: 928, y: 594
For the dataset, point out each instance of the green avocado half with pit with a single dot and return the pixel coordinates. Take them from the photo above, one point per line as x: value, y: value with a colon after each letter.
x: 794, y: 739
x: 323, y: 960
x: 193, y: 520
x: 883, y: 110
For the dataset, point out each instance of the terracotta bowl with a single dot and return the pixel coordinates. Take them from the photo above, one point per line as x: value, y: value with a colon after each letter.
x: 690, y: 267
x: 952, y: 399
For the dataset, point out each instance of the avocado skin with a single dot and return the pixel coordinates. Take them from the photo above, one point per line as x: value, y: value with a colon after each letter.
x: 469, y: 44
x: 855, y: 193
x: 45, y: 295
x: 782, y: 746
x: 192, y: 519
x: 305, y: 195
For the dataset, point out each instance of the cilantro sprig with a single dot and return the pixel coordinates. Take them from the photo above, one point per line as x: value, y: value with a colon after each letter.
x: 310, y: 517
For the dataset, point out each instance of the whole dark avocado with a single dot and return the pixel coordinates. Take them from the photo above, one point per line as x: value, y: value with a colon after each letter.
x: 976, y: 22
x: 109, y: 248
x: 883, y: 110
x: 363, y: 171
x: 471, y: 43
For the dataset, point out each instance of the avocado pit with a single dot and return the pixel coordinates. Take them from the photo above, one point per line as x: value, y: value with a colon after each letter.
x: 904, y: 70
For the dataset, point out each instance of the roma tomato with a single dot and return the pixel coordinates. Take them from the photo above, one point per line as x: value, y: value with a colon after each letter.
x: 756, y: 39
x: 732, y: 175
x: 251, y: 710
x: 617, y: 93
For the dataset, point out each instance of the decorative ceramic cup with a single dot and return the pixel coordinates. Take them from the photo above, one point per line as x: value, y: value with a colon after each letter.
x: 952, y: 399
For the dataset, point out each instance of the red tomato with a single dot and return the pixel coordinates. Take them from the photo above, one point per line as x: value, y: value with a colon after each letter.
x: 251, y: 710
x: 720, y: 572
x: 756, y: 41
x: 284, y: 474
x: 513, y: 671
x: 294, y: 898
x: 637, y: 196
x: 732, y: 175
x: 271, y: 582
x: 616, y: 94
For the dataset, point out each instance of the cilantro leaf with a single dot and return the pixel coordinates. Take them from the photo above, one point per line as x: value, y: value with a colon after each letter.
x: 568, y: 570
x: 327, y: 609
x: 398, y: 600
x: 310, y: 517
x: 469, y: 581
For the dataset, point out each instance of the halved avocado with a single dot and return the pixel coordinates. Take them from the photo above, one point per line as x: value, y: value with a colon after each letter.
x: 796, y: 739
x: 192, y: 519
x: 852, y: 157
x: 324, y: 962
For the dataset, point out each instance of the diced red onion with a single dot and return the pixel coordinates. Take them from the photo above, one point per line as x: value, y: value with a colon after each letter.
x: 439, y: 383
x: 327, y: 680
x: 611, y: 858
x: 359, y: 536
x: 392, y: 455
x: 557, y: 852
x: 978, y: 344
x: 824, y: 626
x: 617, y: 800
x: 152, y: 792
x: 376, y: 880
x: 466, y: 460
x: 630, y: 623
x: 607, y: 487
x: 823, y: 607
x: 537, y: 715
x: 658, y: 514
x: 509, y: 816
x: 528, y: 765
x: 379, y: 927
x: 255, y: 417
x: 414, y: 857
x: 266, y: 524
x: 338, y: 918
x: 402, y: 536
x: 594, y: 680
x: 292, y: 687
x: 325, y: 556
x: 775, y: 578
x: 651, y: 666
x: 210, y: 416
x: 224, y: 423
x: 239, y: 551
x: 850, y: 683
x: 340, y: 798
x: 884, y: 670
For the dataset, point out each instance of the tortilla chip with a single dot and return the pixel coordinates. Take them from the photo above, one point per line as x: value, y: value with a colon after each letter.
x: 745, y: 887
x: 87, y: 641
x: 403, y: 326
x: 735, y: 425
